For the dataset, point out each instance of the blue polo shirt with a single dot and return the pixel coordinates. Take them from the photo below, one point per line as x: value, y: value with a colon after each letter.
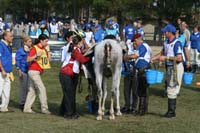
x: 6, y: 57
x: 129, y: 31
x: 99, y: 35
x: 21, y: 62
x: 195, y: 40
x: 144, y: 53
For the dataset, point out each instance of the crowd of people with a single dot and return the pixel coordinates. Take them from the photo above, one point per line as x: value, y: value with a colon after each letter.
x: 179, y: 53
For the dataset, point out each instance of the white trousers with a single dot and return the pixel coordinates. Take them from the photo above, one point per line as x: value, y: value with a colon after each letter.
x: 194, y: 57
x: 4, y: 92
x: 180, y: 71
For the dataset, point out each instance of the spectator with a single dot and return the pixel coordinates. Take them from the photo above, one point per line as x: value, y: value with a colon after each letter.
x: 22, y: 67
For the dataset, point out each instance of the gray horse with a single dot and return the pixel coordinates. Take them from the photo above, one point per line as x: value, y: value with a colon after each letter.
x: 107, y: 63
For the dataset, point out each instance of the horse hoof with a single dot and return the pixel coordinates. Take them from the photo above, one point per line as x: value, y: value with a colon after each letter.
x: 112, y: 117
x: 119, y: 114
x: 99, y: 118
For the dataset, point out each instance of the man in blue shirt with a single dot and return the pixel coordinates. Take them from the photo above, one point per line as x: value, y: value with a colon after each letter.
x: 172, y: 55
x: 195, y: 43
x: 142, y: 57
x: 99, y: 33
x: 130, y: 77
x: 5, y: 69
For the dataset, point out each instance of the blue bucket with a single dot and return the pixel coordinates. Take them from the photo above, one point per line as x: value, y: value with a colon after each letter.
x: 187, y: 78
x: 159, y: 77
x: 151, y: 76
x: 60, y: 39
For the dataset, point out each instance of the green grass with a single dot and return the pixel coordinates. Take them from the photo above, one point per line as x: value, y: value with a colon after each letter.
x: 187, y: 120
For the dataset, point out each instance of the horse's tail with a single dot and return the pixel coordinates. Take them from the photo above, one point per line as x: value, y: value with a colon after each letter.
x: 107, y: 60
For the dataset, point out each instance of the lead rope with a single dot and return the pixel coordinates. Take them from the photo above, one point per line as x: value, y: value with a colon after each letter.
x: 175, y: 72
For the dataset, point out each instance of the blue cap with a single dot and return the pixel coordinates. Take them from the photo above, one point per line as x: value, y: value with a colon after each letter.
x: 43, y: 22
x: 88, y: 25
x: 169, y: 28
x: 53, y: 20
x: 110, y: 22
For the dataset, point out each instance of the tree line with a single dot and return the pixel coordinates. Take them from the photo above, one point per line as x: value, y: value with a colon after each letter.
x: 168, y: 10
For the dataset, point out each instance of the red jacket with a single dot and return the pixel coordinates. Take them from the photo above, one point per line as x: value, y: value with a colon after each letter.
x: 76, y: 55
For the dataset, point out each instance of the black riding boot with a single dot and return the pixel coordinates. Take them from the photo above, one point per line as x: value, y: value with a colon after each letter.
x: 171, y: 108
x: 146, y: 104
x: 194, y: 68
x: 142, y: 106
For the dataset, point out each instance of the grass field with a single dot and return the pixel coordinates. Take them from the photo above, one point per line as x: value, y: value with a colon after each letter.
x: 187, y: 120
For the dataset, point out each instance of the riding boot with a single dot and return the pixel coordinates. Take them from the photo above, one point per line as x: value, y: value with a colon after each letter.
x: 194, y: 68
x: 146, y: 104
x: 141, y: 106
x: 171, y: 108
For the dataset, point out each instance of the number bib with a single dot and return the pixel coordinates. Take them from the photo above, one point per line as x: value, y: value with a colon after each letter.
x: 43, y: 60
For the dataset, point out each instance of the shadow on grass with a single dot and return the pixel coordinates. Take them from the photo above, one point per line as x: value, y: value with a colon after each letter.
x: 154, y: 91
x: 155, y: 114
x: 81, y: 109
x: 189, y: 87
x: 14, y: 104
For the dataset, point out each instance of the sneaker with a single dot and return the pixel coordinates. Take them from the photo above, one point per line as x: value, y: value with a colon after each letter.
x: 75, y: 116
x: 125, y: 110
x: 29, y: 111
x: 46, y: 112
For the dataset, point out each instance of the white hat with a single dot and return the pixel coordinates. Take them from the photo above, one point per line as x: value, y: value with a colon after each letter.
x: 1, y: 19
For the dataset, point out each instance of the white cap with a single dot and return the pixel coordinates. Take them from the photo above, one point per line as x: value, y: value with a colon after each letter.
x: 1, y: 19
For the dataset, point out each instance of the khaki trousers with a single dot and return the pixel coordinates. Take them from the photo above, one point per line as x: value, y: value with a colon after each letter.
x: 36, y: 83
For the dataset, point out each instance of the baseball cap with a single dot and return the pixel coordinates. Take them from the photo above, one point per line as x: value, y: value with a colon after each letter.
x: 43, y: 22
x: 136, y: 36
x: 110, y: 22
x: 169, y: 28
x: 1, y: 19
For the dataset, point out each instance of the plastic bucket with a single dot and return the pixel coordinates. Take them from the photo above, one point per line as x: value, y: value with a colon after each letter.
x: 159, y: 77
x: 60, y: 39
x: 187, y: 78
x: 151, y: 76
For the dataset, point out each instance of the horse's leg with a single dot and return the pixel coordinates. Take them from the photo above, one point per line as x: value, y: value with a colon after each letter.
x: 104, y: 94
x: 117, y: 78
x: 100, y: 93
x: 112, y: 115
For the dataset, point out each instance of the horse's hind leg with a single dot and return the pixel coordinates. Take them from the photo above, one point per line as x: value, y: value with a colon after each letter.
x: 100, y: 93
x: 117, y: 92
x: 112, y: 115
x: 104, y: 95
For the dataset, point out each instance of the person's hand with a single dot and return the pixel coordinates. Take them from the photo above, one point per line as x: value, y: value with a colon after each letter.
x: 4, y: 74
x: 160, y: 64
x: 47, y: 48
x: 20, y: 74
x: 39, y: 53
x: 162, y: 58
x: 188, y: 65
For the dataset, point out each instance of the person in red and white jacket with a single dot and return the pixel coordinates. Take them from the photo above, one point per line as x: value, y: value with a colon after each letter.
x: 69, y: 77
